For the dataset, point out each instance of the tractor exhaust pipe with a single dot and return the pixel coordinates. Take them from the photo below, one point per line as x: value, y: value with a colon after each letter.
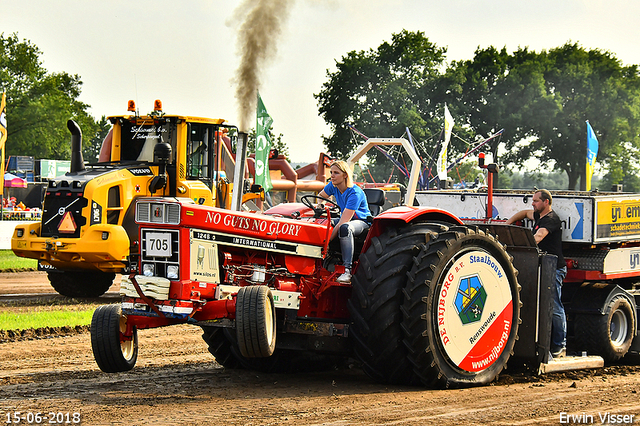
x: 77, y: 162
x: 238, y: 172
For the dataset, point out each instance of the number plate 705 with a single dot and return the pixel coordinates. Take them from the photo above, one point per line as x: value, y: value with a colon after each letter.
x: 158, y: 244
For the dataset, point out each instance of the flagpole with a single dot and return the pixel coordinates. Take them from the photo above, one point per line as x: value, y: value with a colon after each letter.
x: 3, y: 140
x: 587, y: 180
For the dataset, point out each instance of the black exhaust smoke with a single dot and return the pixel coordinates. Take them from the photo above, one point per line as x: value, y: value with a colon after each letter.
x: 77, y: 162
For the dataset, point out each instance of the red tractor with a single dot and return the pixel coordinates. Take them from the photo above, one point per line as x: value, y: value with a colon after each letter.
x: 432, y: 301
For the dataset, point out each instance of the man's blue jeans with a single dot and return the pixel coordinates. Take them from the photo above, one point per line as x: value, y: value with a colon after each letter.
x: 559, y: 320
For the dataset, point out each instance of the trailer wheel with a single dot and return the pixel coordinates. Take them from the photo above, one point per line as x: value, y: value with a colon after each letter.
x: 609, y: 335
x: 81, y: 283
x: 461, y: 309
x: 255, y: 321
x: 377, y: 297
x: 113, y: 351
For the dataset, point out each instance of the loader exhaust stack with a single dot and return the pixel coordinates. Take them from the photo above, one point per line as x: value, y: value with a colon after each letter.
x: 238, y: 173
x: 77, y: 162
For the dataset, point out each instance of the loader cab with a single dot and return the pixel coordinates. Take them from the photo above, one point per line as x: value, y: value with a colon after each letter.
x: 139, y: 135
x: 205, y: 151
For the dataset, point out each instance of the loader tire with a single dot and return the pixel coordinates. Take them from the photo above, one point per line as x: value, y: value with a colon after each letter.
x: 609, y: 335
x: 376, y: 300
x: 461, y: 309
x: 81, y: 283
x: 112, y: 350
x: 255, y: 321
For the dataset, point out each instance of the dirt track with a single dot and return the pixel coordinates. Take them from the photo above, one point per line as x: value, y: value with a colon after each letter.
x: 176, y: 381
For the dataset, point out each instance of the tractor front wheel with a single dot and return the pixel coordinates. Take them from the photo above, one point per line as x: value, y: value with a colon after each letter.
x: 255, y: 321
x: 113, y: 350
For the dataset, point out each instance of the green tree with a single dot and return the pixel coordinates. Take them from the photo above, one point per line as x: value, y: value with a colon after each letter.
x: 277, y: 142
x: 39, y: 103
x: 502, y: 91
x: 542, y: 100
x: 622, y: 169
x: 383, y: 91
x: 587, y: 85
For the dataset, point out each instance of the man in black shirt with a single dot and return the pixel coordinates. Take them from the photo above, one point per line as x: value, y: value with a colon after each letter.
x: 547, y: 231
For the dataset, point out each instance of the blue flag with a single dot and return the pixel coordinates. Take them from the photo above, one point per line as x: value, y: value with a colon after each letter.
x: 592, y: 152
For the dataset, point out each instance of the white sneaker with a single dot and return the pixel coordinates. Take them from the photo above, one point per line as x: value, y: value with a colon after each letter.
x: 345, y: 278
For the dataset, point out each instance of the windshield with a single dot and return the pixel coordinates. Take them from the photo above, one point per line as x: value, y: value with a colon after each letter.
x: 141, y: 136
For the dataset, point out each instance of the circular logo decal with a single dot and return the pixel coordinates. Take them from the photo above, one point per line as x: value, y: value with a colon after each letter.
x: 475, y: 310
x: 259, y: 167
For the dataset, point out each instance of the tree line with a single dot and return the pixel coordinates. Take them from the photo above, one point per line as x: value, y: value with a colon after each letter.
x: 541, y: 100
x: 39, y: 103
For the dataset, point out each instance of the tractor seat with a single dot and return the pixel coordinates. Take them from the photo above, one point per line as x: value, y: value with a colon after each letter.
x: 375, y: 200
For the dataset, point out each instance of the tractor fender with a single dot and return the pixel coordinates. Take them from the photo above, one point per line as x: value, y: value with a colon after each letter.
x: 398, y: 216
x: 593, y: 298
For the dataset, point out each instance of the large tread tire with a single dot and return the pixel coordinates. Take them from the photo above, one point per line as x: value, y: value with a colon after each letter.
x: 376, y: 299
x: 256, y: 321
x: 112, y: 351
x: 81, y: 283
x: 458, y: 336
x: 609, y: 335
x: 223, y: 346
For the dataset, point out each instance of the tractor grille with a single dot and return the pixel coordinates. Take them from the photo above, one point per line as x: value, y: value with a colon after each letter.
x: 62, y: 198
x: 160, y: 252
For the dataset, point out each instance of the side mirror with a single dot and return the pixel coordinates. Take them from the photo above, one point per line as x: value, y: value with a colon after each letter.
x: 162, y: 156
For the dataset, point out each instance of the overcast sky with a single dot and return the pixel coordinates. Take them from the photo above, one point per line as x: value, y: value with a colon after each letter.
x: 185, y: 52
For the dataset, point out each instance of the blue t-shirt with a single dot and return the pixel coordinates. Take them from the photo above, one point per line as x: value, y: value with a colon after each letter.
x: 352, y: 198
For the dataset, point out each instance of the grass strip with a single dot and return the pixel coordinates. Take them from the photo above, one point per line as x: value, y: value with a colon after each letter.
x: 25, y: 319
x: 10, y: 262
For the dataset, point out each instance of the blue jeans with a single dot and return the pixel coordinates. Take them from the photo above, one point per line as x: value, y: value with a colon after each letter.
x: 346, y: 233
x: 559, y: 320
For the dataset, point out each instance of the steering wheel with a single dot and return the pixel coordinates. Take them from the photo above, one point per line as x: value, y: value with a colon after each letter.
x: 334, y: 209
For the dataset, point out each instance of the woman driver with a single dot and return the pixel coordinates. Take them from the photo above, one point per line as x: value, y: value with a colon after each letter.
x: 354, y: 212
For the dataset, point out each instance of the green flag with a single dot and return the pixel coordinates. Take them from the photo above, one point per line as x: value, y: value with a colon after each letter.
x: 263, y: 146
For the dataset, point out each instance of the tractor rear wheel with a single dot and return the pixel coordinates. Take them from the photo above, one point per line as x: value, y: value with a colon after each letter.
x: 113, y: 351
x: 224, y: 347
x: 255, y: 321
x: 461, y: 309
x: 609, y: 335
x: 377, y: 297
x: 81, y: 283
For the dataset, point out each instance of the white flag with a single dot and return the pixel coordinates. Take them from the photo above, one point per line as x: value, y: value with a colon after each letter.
x: 442, y: 158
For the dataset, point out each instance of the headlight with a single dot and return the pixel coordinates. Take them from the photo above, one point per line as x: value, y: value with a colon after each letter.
x: 172, y: 272
x: 148, y: 269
